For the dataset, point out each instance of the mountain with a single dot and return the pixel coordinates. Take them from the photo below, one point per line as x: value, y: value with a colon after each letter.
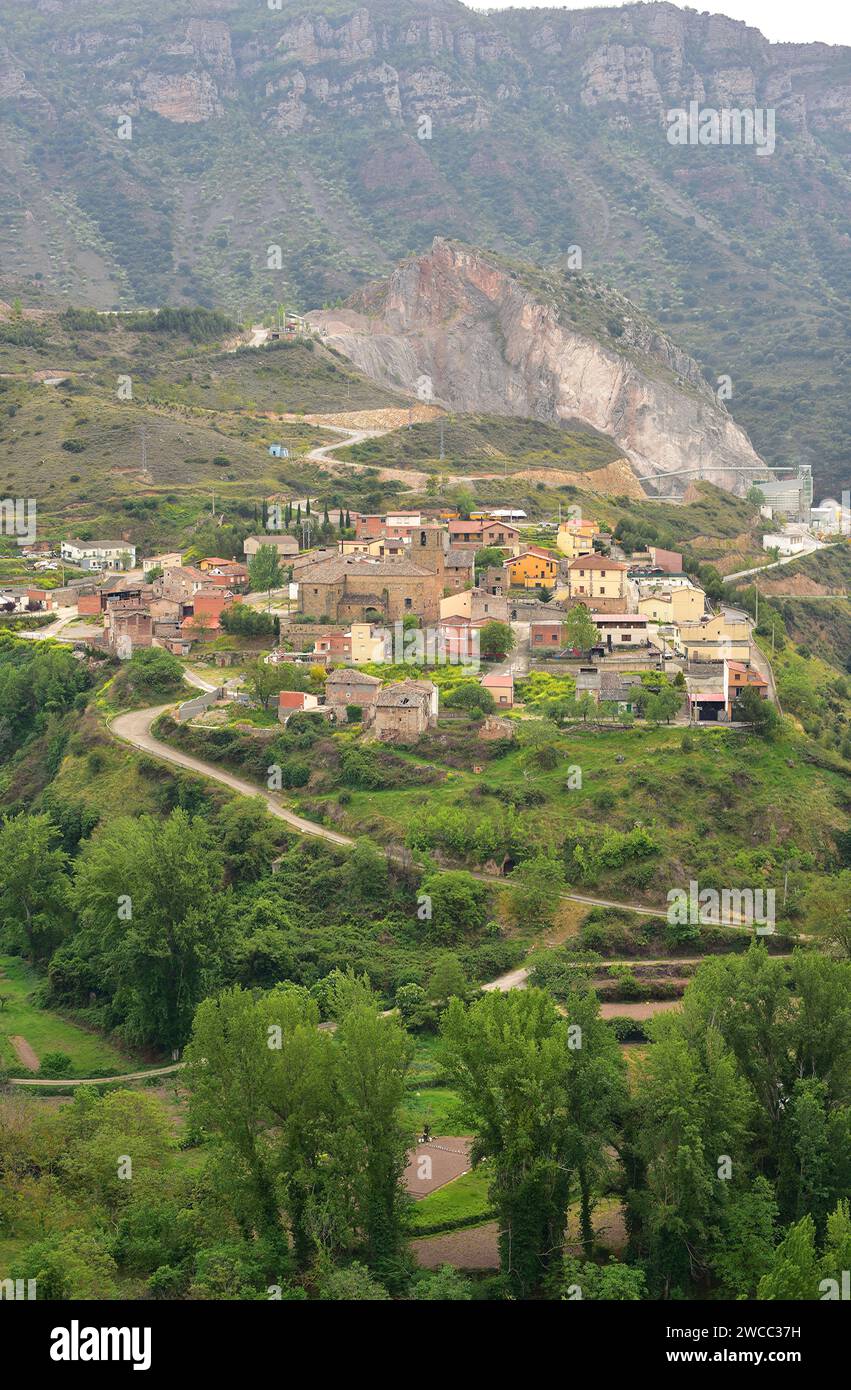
x: 477, y: 333
x: 294, y: 154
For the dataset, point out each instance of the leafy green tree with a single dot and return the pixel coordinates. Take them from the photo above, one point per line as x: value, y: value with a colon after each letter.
x: 148, y: 895
x: 744, y: 1248
x: 369, y: 1142
x: 259, y: 1075
x: 367, y: 872
x: 98, y: 1131
x: 33, y: 883
x: 535, y: 889
x: 69, y: 1265
x: 580, y: 630
x: 264, y: 569
x: 613, y: 1282
x: 751, y: 708
x: 445, y: 1285
x: 447, y: 979
x: 247, y: 838
x: 153, y: 671
x: 513, y: 1061
x: 692, y: 1108
x: 489, y: 557
x: 457, y: 903
x: 352, y: 1284
x: 264, y: 680
x: 496, y: 640
x: 794, y: 1272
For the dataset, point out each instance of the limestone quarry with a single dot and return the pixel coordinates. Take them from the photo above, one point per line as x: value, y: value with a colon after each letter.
x: 472, y: 333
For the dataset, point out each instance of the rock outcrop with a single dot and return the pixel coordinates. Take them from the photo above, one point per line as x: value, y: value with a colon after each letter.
x: 462, y: 327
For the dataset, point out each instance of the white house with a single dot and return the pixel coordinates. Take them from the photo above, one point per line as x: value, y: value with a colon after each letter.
x: 784, y: 544
x: 99, y: 555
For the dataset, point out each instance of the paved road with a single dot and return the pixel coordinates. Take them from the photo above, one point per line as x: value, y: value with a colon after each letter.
x: 135, y: 728
x: 775, y: 564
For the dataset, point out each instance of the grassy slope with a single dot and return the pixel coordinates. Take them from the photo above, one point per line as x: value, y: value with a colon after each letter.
x: 45, y: 1031
x: 474, y: 443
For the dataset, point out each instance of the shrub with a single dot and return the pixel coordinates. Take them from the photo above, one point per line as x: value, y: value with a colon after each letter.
x: 56, y: 1064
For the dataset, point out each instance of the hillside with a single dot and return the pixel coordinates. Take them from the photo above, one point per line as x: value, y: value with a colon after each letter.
x: 478, y: 332
x: 298, y: 128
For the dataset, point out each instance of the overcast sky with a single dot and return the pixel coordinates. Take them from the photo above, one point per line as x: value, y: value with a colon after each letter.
x: 782, y: 21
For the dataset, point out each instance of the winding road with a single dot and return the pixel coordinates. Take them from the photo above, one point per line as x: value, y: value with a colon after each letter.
x: 134, y: 728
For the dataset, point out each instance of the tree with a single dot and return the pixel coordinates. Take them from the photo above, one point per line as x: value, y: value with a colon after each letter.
x: 529, y: 1093
x: 535, y: 889
x: 663, y: 705
x: 264, y: 569
x: 471, y: 696
x: 794, y: 1272
x: 828, y: 910
x: 153, y: 671
x: 496, y: 640
x: 456, y: 904
x: 751, y: 708
x: 447, y: 979
x: 264, y: 680
x: 489, y: 557
x: 69, y: 1265
x: 352, y: 1284
x: 369, y: 1142
x: 148, y: 896
x: 366, y: 871
x: 744, y: 1249
x: 580, y: 630
x: 32, y: 885
x: 245, y: 621
x: 259, y: 1073
x: 445, y: 1285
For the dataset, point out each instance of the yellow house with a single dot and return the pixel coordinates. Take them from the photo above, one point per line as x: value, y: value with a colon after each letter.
x: 368, y: 643
x: 595, y: 577
x: 572, y: 542
x: 532, y: 567
x: 716, y: 639
x: 678, y: 606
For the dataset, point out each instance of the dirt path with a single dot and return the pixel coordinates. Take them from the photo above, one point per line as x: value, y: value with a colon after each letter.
x: 26, y: 1055
x: 648, y: 1008
x: 99, y: 1080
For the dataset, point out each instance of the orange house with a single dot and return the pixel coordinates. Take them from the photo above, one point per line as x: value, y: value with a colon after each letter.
x: 532, y: 567
x: 739, y: 677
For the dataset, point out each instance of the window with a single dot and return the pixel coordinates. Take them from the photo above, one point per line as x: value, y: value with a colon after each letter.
x: 408, y: 603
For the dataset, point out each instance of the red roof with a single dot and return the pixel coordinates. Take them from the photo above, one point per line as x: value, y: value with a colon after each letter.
x: 291, y: 699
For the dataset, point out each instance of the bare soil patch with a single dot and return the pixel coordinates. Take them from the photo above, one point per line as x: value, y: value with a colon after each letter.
x: 449, y: 1158
x: 26, y: 1055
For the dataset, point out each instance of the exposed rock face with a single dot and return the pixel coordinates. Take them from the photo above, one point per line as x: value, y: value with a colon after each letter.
x: 459, y: 324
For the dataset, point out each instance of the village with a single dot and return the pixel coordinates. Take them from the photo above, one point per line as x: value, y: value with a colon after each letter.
x: 488, y: 592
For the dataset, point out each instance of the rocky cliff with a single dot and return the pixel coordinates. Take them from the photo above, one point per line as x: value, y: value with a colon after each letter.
x: 479, y: 335
x: 349, y: 133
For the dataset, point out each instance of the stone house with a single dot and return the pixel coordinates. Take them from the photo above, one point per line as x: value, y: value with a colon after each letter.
x: 404, y: 711
x: 346, y: 686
